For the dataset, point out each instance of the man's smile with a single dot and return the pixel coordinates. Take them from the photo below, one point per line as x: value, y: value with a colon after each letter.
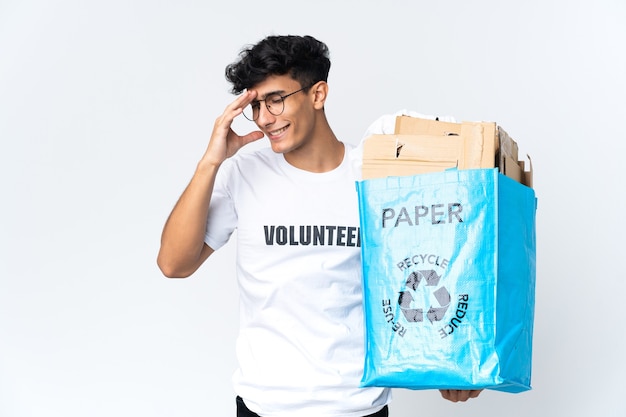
x: 278, y: 132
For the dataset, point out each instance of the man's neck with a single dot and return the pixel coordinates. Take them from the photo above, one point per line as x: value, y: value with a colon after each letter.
x: 321, y: 159
x: 322, y: 153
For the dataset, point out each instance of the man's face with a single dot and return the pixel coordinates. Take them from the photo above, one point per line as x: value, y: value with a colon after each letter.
x: 292, y: 128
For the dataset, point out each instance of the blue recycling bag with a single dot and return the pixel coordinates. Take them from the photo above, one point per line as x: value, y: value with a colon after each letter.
x: 448, y: 264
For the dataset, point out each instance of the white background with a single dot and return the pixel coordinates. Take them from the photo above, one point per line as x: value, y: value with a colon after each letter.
x: 106, y: 106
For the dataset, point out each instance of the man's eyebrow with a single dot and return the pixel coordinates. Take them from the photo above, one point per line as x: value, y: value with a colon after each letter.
x: 279, y: 92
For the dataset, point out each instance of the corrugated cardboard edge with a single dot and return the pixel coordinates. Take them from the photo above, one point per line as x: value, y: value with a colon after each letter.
x: 418, y: 126
x: 498, y: 148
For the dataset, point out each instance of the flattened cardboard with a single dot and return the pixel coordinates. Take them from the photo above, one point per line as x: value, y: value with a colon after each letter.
x: 420, y: 146
x: 419, y: 126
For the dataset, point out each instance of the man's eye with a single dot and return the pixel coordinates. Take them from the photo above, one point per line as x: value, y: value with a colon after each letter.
x: 274, y: 100
x: 255, y: 105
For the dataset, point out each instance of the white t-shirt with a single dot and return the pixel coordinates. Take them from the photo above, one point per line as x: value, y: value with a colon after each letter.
x: 301, y: 343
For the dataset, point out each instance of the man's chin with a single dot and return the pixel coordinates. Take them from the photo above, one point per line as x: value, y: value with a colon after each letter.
x: 279, y: 148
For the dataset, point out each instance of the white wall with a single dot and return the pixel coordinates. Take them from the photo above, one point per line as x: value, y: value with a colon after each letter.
x: 105, y: 107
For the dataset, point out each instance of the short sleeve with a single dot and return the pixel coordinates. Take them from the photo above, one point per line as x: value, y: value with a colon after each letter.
x: 222, y: 216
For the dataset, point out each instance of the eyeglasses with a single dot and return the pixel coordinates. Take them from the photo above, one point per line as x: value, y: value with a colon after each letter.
x: 275, y: 104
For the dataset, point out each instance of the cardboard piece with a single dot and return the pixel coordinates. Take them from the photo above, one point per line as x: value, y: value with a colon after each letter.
x: 418, y: 126
x: 420, y: 146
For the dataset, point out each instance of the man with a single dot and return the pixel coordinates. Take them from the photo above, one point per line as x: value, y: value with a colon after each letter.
x: 300, y: 346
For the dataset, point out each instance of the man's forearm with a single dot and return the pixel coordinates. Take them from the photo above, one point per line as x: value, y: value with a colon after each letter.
x: 182, y: 241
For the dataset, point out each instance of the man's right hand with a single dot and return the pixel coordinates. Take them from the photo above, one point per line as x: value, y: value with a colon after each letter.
x: 224, y: 141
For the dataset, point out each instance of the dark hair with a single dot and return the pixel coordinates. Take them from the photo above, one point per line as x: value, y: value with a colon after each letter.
x: 304, y: 58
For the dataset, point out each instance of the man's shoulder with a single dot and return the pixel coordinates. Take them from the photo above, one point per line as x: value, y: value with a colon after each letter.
x: 254, y: 153
x: 253, y: 157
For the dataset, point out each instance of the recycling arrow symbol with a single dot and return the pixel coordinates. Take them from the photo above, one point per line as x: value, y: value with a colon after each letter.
x: 429, y: 278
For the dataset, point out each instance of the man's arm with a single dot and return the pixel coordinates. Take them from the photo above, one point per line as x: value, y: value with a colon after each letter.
x: 182, y: 242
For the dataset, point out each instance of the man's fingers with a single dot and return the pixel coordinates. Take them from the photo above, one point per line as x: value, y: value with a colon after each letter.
x: 251, y: 137
x: 242, y: 101
x: 475, y: 393
x: 224, y: 142
x: 459, y: 395
x: 233, y: 110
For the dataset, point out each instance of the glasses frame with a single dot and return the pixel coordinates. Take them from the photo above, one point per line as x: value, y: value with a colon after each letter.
x: 267, y: 106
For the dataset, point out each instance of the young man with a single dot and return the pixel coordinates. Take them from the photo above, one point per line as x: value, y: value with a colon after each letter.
x: 300, y: 346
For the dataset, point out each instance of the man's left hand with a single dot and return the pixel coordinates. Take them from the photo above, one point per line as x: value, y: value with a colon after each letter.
x: 456, y: 395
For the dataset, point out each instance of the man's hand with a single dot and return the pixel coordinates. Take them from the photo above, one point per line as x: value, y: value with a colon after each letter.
x: 224, y: 141
x: 455, y: 395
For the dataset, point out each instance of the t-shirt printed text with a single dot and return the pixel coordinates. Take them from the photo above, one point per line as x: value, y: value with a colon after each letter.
x: 313, y: 235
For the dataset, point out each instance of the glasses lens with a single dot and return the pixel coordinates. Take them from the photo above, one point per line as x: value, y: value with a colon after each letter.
x: 251, y: 111
x: 275, y: 104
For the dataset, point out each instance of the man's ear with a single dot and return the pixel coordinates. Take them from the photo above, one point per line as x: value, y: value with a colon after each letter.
x: 320, y: 92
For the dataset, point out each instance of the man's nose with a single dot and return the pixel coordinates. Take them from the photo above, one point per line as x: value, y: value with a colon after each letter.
x: 265, y: 117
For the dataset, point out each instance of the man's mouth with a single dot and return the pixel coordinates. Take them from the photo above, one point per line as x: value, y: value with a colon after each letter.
x: 278, y: 132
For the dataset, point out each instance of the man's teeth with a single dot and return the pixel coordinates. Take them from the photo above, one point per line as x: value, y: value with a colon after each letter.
x: 279, y: 131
